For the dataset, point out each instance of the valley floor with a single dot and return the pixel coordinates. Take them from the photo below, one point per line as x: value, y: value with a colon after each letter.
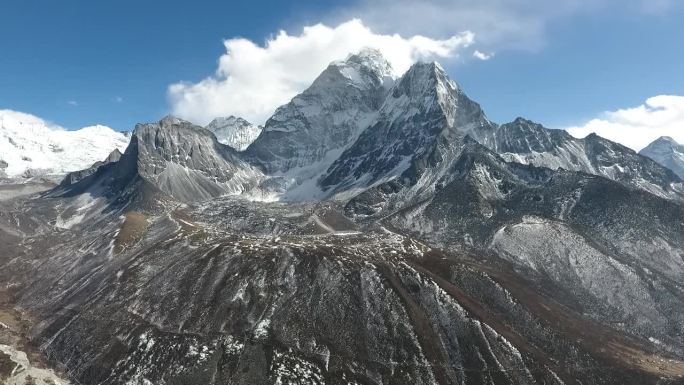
x: 232, y: 291
x: 21, y: 362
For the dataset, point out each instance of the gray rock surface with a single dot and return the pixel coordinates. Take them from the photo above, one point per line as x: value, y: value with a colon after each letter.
x: 668, y: 153
x: 319, y: 123
x: 527, y: 142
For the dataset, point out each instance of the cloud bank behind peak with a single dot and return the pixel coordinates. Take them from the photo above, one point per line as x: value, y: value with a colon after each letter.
x: 252, y: 80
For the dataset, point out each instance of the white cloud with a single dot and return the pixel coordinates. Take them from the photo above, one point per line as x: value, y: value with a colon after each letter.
x: 72, y: 103
x: 118, y: 99
x: 252, y: 80
x: 481, y: 55
x: 636, y: 127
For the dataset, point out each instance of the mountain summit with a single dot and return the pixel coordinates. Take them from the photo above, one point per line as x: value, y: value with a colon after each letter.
x: 527, y: 142
x: 420, y: 124
x: 668, y: 153
x: 234, y: 132
x: 174, y: 158
x: 312, y: 129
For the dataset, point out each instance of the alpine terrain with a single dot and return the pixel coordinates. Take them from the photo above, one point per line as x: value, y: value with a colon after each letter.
x: 31, y: 147
x: 234, y: 132
x: 668, y: 153
x: 379, y: 229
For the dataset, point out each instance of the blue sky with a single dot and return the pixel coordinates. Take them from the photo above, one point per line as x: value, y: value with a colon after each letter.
x: 78, y: 63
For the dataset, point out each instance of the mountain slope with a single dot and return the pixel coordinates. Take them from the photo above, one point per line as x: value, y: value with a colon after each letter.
x: 308, y: 133
x: 668, y: 153
x: 418, y: 130
x: 175, y: 158
x: 234, y: 132
x: 31, y: 147
x: 232, y: 291
x: 527, y: 142
x: 577, y: 237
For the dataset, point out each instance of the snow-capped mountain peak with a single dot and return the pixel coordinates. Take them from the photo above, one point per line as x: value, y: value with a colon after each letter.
x: 426, y: 77
x: 30, y: 146
x: 666, y: 151
x: 227, y: 120
x: 365, y: 70
x: 667, y: 139
x: 368, y: 62
x: 427, y: 88
x: 326, y: 117
x: 234, y: 131
x: 422, y: 119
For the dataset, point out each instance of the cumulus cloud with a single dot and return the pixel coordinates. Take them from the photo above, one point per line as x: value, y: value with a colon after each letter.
x: 636, y: 127
x: 252, y: 80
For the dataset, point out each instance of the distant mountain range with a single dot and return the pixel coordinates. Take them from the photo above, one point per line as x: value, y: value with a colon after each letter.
x: 378, y: 230
x: 30, y: 147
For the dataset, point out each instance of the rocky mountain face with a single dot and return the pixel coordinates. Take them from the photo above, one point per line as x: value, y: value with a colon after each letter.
x: 523, y: 141
x: 174, y: 158
x: 234, y: 132
x: 310, y: 132
x: 668, y: 153
x: 559, y: 230
x: 416, y: 126
x: 188, y: 163
x: 31, y: 147
x: 418, y: 130
x: 417, y: 134
x: 451, y: 250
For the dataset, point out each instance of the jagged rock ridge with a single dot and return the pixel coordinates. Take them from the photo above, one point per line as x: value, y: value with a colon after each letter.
x: 526, y: 142
x: 418, y: 128
x: 177, y: 159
